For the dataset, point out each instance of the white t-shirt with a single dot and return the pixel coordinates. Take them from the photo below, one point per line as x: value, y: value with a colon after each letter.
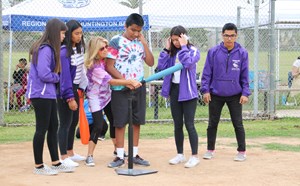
x: 176, y: 75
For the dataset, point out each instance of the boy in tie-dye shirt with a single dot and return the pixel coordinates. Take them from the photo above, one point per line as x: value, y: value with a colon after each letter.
x: 126, y: 57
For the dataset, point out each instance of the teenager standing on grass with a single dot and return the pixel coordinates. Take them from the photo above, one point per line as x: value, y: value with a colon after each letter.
x: 67, y: 104
x: 181, y: 87
x: 126, y: 57
x: 98, y: 91
x: 41, y: 90
x: 225, y: 80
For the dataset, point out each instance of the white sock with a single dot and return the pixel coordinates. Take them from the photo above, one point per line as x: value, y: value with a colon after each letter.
x: 120, y: 153
x: 135, y: 151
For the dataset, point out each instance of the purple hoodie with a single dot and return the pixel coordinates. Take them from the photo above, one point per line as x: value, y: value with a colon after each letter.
x: 67, y: 75
x: 226, y: 74
x: 42, y: 79
x: 188, y: 85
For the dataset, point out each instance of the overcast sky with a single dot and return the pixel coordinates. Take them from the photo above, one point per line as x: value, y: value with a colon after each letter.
x: 211, y: 7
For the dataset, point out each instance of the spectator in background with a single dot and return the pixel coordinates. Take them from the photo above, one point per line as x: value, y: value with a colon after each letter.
x: 225, y: 80
x: 22, y: 91
x: 295, y: 68
x: 294, y: 80
x: 18, y: 83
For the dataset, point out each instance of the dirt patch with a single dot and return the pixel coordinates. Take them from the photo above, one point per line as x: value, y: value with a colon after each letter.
x: 262, y: 167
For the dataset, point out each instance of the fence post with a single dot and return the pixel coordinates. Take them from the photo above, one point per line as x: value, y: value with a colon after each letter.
x: 1, y: 69
x: 272, y: 62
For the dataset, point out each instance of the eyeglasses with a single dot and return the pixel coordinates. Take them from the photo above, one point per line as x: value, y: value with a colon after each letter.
x: 229, y: 36
x: 105, y: 47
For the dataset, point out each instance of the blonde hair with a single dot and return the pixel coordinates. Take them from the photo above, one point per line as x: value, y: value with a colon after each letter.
x: 94, y: 46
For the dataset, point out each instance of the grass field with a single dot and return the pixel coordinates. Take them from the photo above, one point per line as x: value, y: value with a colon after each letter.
x: 287, y: 128
x: 286, y: 59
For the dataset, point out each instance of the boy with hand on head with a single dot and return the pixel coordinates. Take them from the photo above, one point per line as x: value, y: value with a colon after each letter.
x: 126, y: 57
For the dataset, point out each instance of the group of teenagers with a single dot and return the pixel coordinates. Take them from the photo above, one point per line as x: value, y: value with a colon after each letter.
x: 108, y: 71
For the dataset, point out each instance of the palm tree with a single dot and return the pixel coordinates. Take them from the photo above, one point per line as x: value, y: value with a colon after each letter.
x: 14, y: 2
x: 130, y: 3
x: 134, y: 4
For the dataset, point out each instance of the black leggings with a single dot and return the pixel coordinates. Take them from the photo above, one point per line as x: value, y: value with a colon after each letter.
x: 109, y: 116
x: 75, y: 119
x: 65, y: 120
x: 98, y: 123
x: 46, y: 122
x: 183, y: 111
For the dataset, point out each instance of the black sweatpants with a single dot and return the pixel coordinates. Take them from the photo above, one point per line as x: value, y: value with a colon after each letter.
x: 235, y: 109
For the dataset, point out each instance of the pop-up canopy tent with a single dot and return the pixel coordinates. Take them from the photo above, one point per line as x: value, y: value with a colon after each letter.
x: 95, y: 16
x: 32, y: 15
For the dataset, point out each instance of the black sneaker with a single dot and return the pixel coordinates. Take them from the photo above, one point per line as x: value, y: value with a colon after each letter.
x: 11, y: 106
x: 118, y: 162
x: 140, y: 161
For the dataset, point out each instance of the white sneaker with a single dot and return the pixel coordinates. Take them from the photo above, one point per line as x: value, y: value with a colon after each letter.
x: 208, y: 155
x: 69, y: 162
x: 77, y: 157
x: 179, y: 158
x: 240, y: 157
x: 193, y: 161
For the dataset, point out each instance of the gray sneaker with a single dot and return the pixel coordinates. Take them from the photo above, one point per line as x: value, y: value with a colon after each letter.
x: 140, y: 161
x: 117, y: 162
x: 90, y: 161
x: 45, y: 171
x: 63, y: 168
x: 240, y: 157
x: 208, y: 155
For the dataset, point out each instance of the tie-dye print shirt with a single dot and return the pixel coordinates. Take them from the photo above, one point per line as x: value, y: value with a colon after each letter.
x: 129, y: 56
x: 98, y: 90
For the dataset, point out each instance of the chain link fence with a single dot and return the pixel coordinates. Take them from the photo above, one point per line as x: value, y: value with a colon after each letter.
x: 23, y: 24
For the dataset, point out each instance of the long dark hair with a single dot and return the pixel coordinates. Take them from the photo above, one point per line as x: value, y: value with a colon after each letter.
x: 177, y: 30
x: 73, y: 25
x: 51, y: 37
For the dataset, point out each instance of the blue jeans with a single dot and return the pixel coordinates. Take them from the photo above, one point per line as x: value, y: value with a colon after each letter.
x: 235, y: 109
